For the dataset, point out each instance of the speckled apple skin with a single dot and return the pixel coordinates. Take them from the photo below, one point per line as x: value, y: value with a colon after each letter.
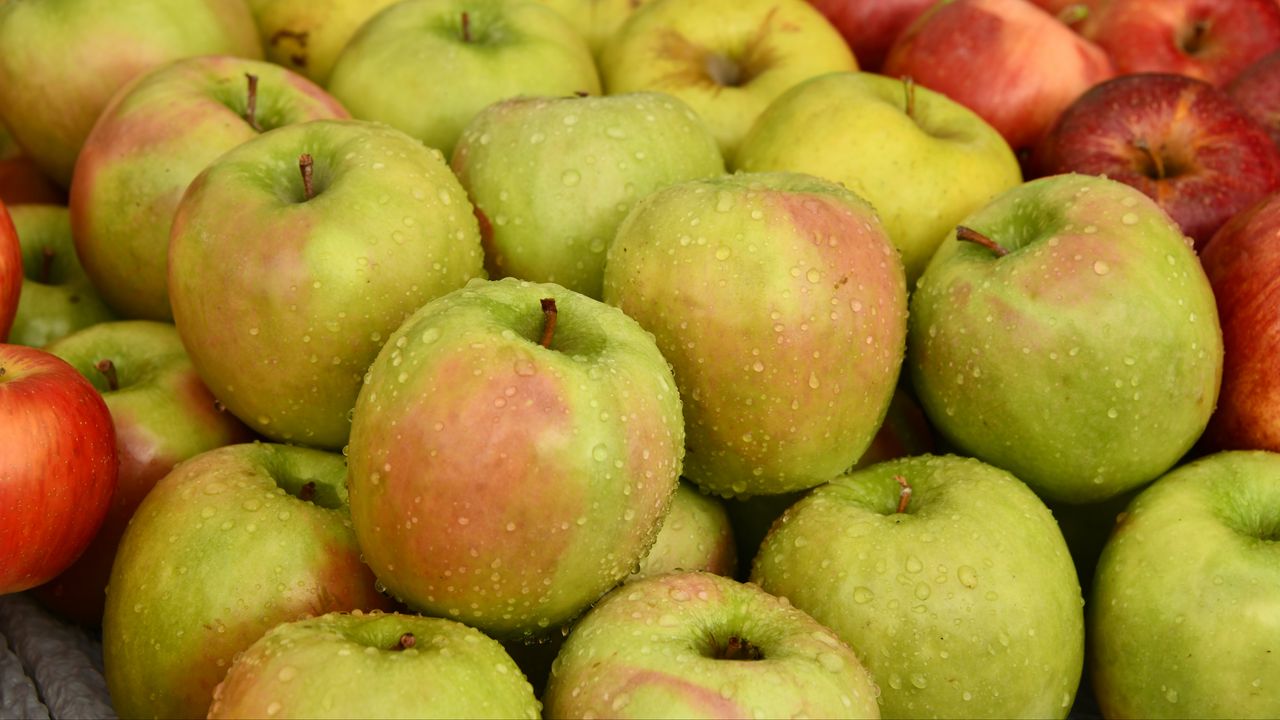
x: 781, y: 304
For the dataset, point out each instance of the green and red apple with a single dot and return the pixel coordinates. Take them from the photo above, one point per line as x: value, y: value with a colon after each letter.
x: 696, y: 536
x: 307, y: 36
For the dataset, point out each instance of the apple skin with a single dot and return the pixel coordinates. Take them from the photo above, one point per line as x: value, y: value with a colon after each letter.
x: 1080, y: 15
x: 1214, y: 160
x: 542, y: 472
x: 353, y: 665
x: 1242, y: 262
x: 696, y: 536
x: 150, y: 142
x: 57, y: 297
x: 163, y: 414
x: 1257, y: 90
x: 1033, y: 66
x: 871, y: 26
x: 595, y: 20
x: 75, y: 54
x: 221, y: 550
x: 283, y: 302
x: 1098, y: 330
x: 657, y: 648
x: 59, y: 468
x: 1205, y: 39
x: 10, y: 272
x: 852, y: 128
x: 20, y: 180
x: 412, y: 67
x: 554, y: 177
x: 964, y: 605
x: 780, y: 303
x: 307, y: 36
x: 1182, y: 617
x: 728, y: 59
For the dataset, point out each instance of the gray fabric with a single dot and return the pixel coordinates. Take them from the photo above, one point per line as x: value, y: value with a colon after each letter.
x: 58, y: 664
x: 18, y: 696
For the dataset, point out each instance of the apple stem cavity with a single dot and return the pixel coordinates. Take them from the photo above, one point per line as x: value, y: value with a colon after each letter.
x: 970, y: 235
x: 1072, y: 14
x: 904, y: 495
x: 723, y: 70
x: 466, y: 27
x: 108, y: 370
x: 909, y: 89
x: 306, y: 165
x: 549, y: 313
x: 739, y: 649
x: 251, y: 105
x: 307, y: 492
x: 405, y: 642
x: 1193, y: 42
x: 46, y: 265
x: 1157, y: 161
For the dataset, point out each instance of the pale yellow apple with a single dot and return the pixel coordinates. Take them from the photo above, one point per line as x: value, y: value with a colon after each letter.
x: 595, y: 20
x: 307, y: 35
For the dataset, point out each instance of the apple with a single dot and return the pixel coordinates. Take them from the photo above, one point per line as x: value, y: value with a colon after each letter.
x: 57, y: 297
x: 1257, y: 90
x: 307, y: 36
x: 949, y: 579
x: 871, y: 26
x: 1242, y: 262
x: 780, y: 303
x: 163, y: 414
x: 922, y: 160
x: 728, y: 59
x: 595, y: 20
x: 20, y: 180
x: 697, y: 645
x: 1012, y: 63
x: 695, y: 536
x: 554, y: 177
x: 1068, y: 335
x: 58, y: 468
x: 513, y: 450
x: 150, y: 142
x: 10, y: 272
x: 1182, y: 620
x: 349, y: 665
x: 1179, y: 140
x: 1079, y: 15
x: 428, y: 66
x: 75, y: 54
x: 293, y: 256
x: 1205, y: 39
x: 228, y: 545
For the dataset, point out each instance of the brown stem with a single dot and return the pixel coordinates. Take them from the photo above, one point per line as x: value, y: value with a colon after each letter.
x: 1073, y: 13
x: 305, y: 163
x: 740, y: 649
x: 904, y: 495
x: 1157, y: 161
x: 46, y: 265
x: 108, y: 370
x: 405, y: 642
x: 307, y: 492
x: 466, y: 27
x: 549, y: 324
x: 1194, y: 42
x: 581, y: 93
x: 909, y: 88
x: 973, y: 236
x: 251, y: 106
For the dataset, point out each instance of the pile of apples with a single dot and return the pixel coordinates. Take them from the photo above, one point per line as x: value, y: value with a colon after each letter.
x: 665, y: 358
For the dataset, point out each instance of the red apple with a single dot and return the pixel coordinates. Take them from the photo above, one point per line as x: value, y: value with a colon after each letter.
x: 871, y: 26
x: 1243, y: 264
x: 1079, y: 15
x: 1009, y: 61
x: 1177, y: 139
x: 1257, y: 90
x: 1208, y: 39
x: 58, y: 466
x: 10, y: 272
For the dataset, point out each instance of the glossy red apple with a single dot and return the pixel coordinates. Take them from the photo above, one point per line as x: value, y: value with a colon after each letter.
x: 871, y: 26
x: 1208, y: 39
x: 58, y: 465
x: 1257, y: 90
x: 10, y: 272
x: 1243, y: 264
x: 1007, y: 60
x: 1177, y: 139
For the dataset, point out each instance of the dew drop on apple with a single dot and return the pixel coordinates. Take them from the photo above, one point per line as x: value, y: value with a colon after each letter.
x: 863, y: 595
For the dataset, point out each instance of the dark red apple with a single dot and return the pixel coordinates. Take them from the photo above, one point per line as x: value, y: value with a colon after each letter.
x: 58, y: 465
x: 10, y: 272
x: 1208, y: 39
x: 1011, y: 62
x: 871, y: 26
x: 1257, y: 90
x: 1243, y: 264
x: 1181, y: 141
x: 20, y: 180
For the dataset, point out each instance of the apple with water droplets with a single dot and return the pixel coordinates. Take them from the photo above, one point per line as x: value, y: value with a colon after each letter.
x: 696, y: 535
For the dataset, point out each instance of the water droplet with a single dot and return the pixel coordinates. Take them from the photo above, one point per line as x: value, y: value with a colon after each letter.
x: 968, y: 576
x: 1102, y: 268
x: 1129, y: 219
x: 600, y: 453
x: 863, y: 595
x: 571, y: 178
x: 723, y: 253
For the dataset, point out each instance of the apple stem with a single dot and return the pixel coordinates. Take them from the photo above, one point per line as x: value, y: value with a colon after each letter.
x: 46, y: 265
x: 549, y: 313
x: 405, y: 642
x: 738, y: 649
x: 251, y: 105
x: 1073, y: 13
x: 466, y: 27
x: 305, y: 164
x: 909, y: 88
x: 904, y: 495
x: 307, y: 492
x: 1157, y: 162
x: 108, y: 370
x: 581, y: 93
x: 1194, y: 42
x: 970, y: 235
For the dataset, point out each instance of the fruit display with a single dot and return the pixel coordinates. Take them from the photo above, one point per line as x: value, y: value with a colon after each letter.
x: 641, y: 358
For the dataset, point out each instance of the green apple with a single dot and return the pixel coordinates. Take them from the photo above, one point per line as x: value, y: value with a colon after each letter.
x: 698, y: 645
x: 727, y: 58
x: 1086, y: 360
x: 152, y: 139
x: 75, y: 54
x: 695, y: 536
x: 949, y: 579
x: 377, y: 665
x: 595, y: 20
x: 1183, y: 617
x: 163, y: 414
x: 57, y: 296
x: 294, y: 256
x: 554, y: 177
x: 428, y: 66
x: 921, y: 159
x: 513, y: 451
x: 781, y: 305
x: 306, y: 36
x: 230, y: 544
